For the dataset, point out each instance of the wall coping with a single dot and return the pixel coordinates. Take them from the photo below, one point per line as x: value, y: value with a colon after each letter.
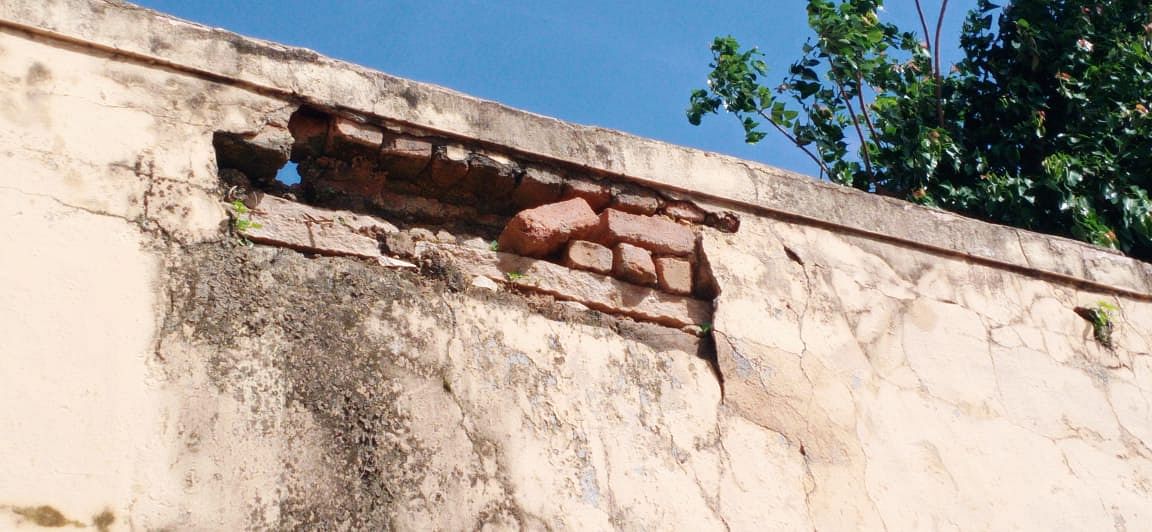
x: 296, y: 74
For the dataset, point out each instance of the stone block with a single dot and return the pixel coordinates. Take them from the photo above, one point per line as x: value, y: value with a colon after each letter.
x: 542, y: 231
x: 658, y: 235
x: 590, y: 256
x: 595, y: 194
x: 633, y: 264
x: 538, y: 187
x: 674, y: 275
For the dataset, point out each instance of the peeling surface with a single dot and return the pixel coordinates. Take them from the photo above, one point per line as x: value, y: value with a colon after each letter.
x: 174, y: 377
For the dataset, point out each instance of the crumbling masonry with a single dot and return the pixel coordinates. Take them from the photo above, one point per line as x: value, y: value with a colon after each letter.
x: 466, y: 316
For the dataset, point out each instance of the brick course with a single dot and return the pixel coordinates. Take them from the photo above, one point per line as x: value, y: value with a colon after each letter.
x: 674, y: 275
x: 590, y: 256
x: 658, y: 235
x: 633, y: 264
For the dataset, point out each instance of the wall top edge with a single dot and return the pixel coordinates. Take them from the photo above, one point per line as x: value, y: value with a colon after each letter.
x: 302, y: 75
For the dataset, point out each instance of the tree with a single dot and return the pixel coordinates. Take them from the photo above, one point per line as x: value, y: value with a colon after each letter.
x: 1043, y: 125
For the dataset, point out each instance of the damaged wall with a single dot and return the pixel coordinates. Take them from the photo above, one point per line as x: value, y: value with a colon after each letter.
x: 189, y: 344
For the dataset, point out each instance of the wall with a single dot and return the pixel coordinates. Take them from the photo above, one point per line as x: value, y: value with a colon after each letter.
x: 869, y: 364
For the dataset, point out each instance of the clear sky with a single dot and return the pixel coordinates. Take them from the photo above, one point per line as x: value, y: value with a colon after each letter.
x: 621, y: 65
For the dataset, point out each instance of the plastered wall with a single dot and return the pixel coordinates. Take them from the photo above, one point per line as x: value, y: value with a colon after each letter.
x: 869, y: 365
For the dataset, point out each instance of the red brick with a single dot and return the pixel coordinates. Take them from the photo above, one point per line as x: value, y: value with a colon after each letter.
x: 674, y: 275
x: 538, y: 187
x: 449, y: 165
x: 310, y: 130
x: 686, y: 211
x: 595, y: 194
x: 488, y: 177
x: 348, y: 138
x: 635, y: 203
x: 542, y: 231
x: 658, y: 235
x: 404, y: 157
x: 633, y: 264
x: 584, y: 255
x: 352, y: 132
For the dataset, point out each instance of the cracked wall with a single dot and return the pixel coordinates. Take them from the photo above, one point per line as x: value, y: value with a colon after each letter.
x: 159, y: 373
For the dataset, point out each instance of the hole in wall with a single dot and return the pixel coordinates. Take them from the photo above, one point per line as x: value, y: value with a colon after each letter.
x: 289, y: 175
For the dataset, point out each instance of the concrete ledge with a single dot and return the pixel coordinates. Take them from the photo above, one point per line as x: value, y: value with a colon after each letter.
x: 300, y: 75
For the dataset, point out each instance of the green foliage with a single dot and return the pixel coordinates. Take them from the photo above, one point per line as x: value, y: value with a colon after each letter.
x: 515, y: 276
x: 1044, y: 124
x: 242, y: 221
x: 494, y: 246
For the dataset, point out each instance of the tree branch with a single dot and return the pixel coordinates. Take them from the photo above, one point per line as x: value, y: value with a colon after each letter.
x: 790, y: 137
x: 856, y: 124
x: 923, y: 26
x: 864, y: 108
x: 936, y: 63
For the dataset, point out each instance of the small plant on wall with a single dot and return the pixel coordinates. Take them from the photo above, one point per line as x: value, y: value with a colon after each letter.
x: 243, y: 219
x: 1102, y: 317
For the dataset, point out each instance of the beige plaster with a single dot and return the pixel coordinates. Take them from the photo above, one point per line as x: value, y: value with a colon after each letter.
x: 902, y: 369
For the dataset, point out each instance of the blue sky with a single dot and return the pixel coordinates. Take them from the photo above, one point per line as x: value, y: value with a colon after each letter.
x: 622, y: 65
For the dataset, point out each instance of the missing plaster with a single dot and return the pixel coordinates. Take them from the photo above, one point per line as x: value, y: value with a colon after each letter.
x: 330, y: 184
x: 1103, y: 320
x: 258, y: 157
x: 49, y: 517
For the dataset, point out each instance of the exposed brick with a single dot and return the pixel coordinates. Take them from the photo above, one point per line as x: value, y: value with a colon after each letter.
x: 353, y: 181
x: 685, y: 210
x: 584, y: 255
x: 633, y: 264
x: 424, y: 210
x: 404, y: 157
x: 538, y: 187
x: 674, y: 275
x: 348, y: 135
x: 541, y: 231
x: 280, y: 222
x: 258, y: 156
x: 599, y: 292
x: 658, y: 235
x: 595, y: 194
x: 490, y: 178
x: 724, y: 221
x: 310, y: 130
x: 635, y: 203
x: 449, y: 165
